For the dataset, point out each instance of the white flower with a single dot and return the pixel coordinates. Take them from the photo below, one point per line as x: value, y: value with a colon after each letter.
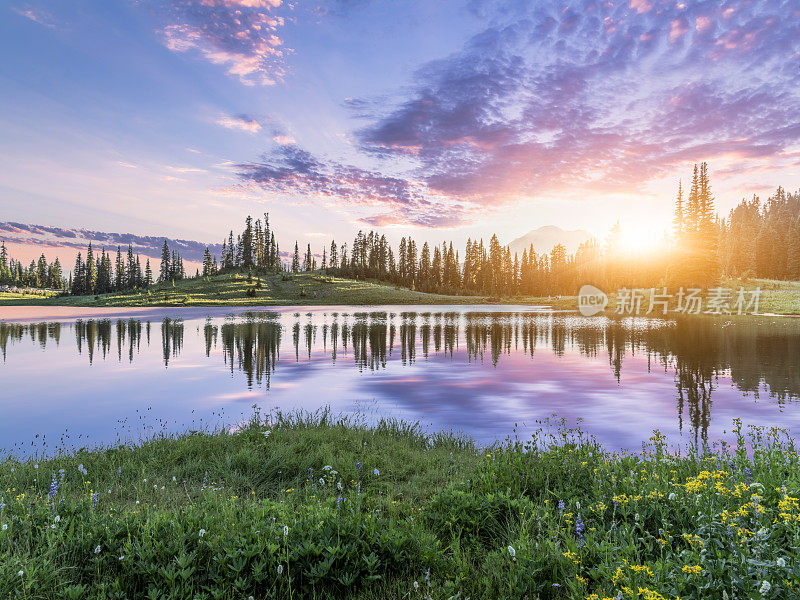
x: 174, y: 478
x: 578, y: 505
x: 765, y: 587
x: 672, y: 496
x: 57, y: 519
x: 781, y: 562
x: 121, y: 558
x: 416, y: 585
x: 280, y: 569
x: 267, y: 432
x: 321, y: 481
x: 21, y: 573
x: 202, y: 532
x: 97, y: 550
x: 512, y: 552
x: 338, y: 485
x: 376, y: 472
x: 285, y: 530
x: 327, y: 468
x: 5, y: 526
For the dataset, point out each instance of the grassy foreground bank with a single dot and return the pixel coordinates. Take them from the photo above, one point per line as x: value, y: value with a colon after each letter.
x: 314, y: 507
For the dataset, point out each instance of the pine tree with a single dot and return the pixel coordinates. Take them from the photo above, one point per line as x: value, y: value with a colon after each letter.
x: 78, y: 287
x: 148, y: 274
x: 334, y: 260
x: 91, y: 271
x: 165, y: 268
x: 296, y: 259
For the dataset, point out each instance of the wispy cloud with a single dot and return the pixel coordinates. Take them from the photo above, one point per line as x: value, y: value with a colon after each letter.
x: 595, y: 97
x: 241, y: 35
x: 36, y: 15
x: 241, y: 122
x: 296, y: 172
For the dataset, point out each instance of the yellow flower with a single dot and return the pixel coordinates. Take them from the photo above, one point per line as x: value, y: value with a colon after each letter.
x: 692, y: 569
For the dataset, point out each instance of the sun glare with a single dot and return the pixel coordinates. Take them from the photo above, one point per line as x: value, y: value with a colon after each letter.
x: 638, y: 239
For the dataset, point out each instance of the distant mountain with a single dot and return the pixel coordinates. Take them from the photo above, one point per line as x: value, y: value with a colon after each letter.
x: 78, y: 239
x: 544, y: 238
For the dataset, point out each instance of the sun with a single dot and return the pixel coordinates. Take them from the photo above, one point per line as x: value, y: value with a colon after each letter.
x: 638, y: 239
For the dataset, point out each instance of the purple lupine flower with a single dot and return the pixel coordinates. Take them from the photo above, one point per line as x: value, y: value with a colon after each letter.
x: 579, y: 527
x: 339, y: 502
x: 358, y: 466
x: 561, y: 507
x: 95, y: 500
x: 54, y: 485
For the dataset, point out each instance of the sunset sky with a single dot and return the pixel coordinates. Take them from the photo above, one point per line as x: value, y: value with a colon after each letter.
x: 443, y: 118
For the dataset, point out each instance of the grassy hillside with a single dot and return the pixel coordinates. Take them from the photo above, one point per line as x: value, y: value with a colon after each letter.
x: 275, y: 290
x: 778, y: 297
x: 314, y: 507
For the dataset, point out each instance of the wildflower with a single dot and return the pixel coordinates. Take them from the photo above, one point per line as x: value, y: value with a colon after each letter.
x: 512, y: 552
x: 280, y: 569
x: 765, y: 587
x: 338, y: 485
x: 327, y: 468
x: 95, y: 500
x: 5, y: 526
x: 121, y: 558
x: 266, y: 433
x: 339, y: 502
x: 579, y: 527
x: 21, y: 573
x: 358, y: 466
x: 321, y: 481
x: 376, y: 472
x: 57, y: 519
x: 54, y: 485
x: 672, y: 496
x: 692, y: 569
x: 416, y: 585
x: 82, y: 469
x: 97, y: 550
x: 781, y: 562
x: 561, y: 507
x: 285, y: 530
x: 202, y: 532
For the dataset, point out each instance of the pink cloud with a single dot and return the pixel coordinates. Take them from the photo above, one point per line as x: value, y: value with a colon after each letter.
x: 677, y: 29
x: 241, y: 122
x: 239, y: 34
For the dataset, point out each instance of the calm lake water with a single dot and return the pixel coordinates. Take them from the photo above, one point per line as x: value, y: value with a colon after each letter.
x: 480, y: 370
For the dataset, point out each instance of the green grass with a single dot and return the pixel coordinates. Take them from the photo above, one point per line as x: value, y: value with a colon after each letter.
x: 777, y: 297
x: 309, y: 506
x: 276, y: 290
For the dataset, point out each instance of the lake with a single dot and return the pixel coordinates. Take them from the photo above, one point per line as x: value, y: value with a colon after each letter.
x: 483, y: 370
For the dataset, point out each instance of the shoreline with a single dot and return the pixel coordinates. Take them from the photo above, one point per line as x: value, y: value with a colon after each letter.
x: 325, y: 507
x: 24, y: 313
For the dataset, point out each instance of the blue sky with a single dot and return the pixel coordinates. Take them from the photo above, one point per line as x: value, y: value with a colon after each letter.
x: 446, y: 119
